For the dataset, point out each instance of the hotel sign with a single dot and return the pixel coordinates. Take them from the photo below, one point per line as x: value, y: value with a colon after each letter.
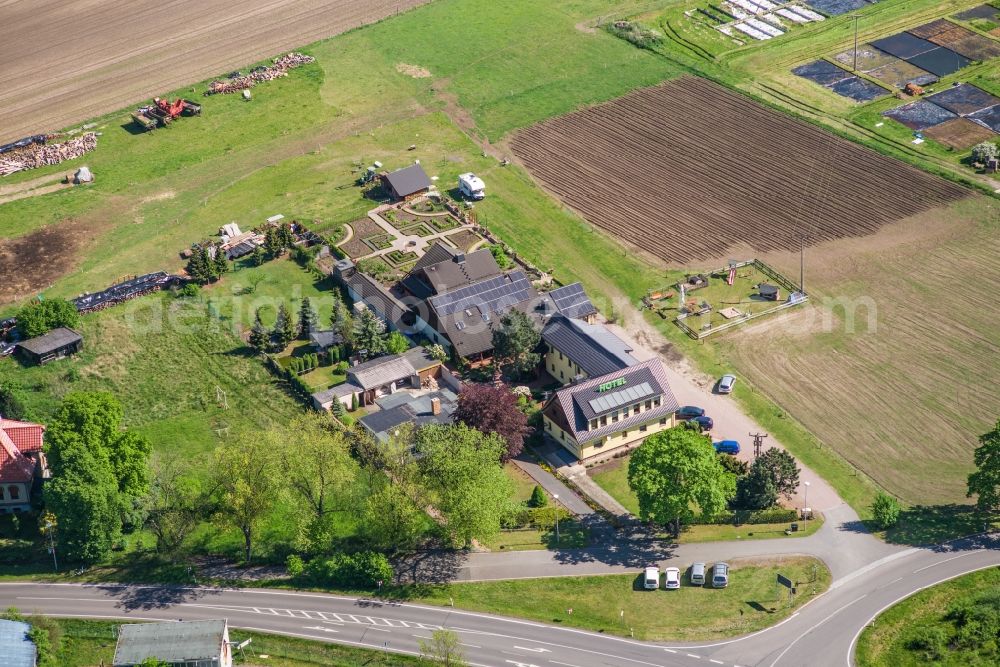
x: 607, y: 386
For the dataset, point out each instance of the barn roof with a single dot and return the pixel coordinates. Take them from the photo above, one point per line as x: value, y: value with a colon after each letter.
x: 51, y: 341
x: 409, y: 180
x: 592, y: 347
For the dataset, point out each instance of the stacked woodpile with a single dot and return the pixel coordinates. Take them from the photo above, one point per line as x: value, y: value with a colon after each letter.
x: 238, y: 82
x: 36, y: 155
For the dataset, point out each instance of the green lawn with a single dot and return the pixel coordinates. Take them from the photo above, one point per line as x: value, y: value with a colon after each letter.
x: 182, y: 376
x: 917, y: 631
x: 614, y: 480
x: 571, y: 536
x: 87, y: 643
x: 689, y: 614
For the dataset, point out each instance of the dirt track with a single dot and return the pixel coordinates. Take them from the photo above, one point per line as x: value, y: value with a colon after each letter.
x: 65, y: 62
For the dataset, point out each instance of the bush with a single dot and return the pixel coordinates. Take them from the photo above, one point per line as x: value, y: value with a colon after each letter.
x: 931, y: 643
x: 190, y: 290
x: 334, y: 354
x: 885, y: 511
x: 38, y: 317
x: 364, y: 569
x: 294, y: 565
x: 984, y: 152
x: 747, y: 517
x: 538, y: 497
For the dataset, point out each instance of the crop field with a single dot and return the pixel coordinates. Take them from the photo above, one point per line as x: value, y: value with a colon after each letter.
x: 689, y: 169
x: 892, y: 363
x: 64, y: 62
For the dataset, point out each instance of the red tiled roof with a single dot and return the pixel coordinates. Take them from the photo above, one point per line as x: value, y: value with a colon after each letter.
x: 14, y: 466
x: 26, y: 436
x: 18, y: 438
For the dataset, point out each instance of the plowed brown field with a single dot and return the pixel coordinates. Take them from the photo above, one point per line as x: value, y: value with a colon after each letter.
x: 64, y: 62
x: 687, y: 169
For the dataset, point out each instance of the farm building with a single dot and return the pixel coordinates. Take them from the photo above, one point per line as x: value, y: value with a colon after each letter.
x: 408, y: 408
x: 22, y: 462
x: 178, y: 644
x: 15, y: 646
x: 56, y: 344
x: 600, y: 417
x: 407, y: 183
x: 577, y: 350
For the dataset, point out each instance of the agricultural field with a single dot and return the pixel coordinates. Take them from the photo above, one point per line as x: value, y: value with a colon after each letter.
x: 890, y: 362
x: 764, y: 69
x: 651, y: 173
x: 62, y: 64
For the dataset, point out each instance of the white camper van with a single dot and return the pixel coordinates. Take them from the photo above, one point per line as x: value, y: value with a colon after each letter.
x: 471, y: 186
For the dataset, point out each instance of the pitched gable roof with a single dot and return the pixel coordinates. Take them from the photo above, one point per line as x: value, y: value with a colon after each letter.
x: 408, y: 180
x: 381, y: 371
x: 14, y: 465
x: 170, y: 641
x: 592, y: 347
x: 579, y: 403
x: 51, y: 341
x: 26, y: 436
x: 572, y: 301
x: 461, y: 270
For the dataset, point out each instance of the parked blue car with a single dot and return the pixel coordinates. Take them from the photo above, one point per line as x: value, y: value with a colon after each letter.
x: 690, y: 412
x: 704, y: 422
x: 727, y: 447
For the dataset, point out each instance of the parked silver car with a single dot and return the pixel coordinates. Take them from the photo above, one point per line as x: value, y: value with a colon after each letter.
x: 726, y: 384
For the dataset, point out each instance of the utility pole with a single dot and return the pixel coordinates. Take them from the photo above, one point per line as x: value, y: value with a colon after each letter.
x: 52, y: 545
x: 555, y: 496
x: 855, y: 17
x: 802, y: 263
x: 758, y: 442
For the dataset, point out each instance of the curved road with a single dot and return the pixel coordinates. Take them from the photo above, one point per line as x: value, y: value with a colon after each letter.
x: 821, y: 633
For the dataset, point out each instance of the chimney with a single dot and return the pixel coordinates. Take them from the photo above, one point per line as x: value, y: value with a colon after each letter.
x: 435, y: 406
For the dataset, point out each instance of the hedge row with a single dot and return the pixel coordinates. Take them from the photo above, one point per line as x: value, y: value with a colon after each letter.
x: 364, y: 569
x: 741, y: 517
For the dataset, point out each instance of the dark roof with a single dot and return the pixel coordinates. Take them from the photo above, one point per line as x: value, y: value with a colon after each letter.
x: 408, y: 180
x: 405, y: 408
x: 582, y: 402
x: 572, y: 301
x: 467, y: 315
x: 15, y: 647
x: 415, y: 282
x: 51, y: 341
x: 376, y: 296
x: 592, y: 347
x: 461, y: 270
x: 170, y: 641
x: 325, y: 339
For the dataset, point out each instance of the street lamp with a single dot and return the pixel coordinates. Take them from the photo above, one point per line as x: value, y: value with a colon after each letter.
x: 52, y: 545
x: 555, y: 496
x: 805, y: 502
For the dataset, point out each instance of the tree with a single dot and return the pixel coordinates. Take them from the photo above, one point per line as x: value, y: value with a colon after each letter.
x: 538, y: 497
x: 756, y: 490
x: 307, y: 318
x: 984, y: 152
x: 260, y: 339
x: 733, y: 465
x: 369, y: 334
x: 493, y: 409
x: 514, y: 344
x: 257, y: 256
x: 199, y: 266
x: 220, y: 264
x: 341, y: 321
x: 499, y: 255
x: 396, y: 343
x: 885, y: 511
x: 459, y: 466
x: 38, y: 317
x: 174, y: 506
x: 272, y: 242
x: 391, y: 519
x: 782, y: 468
x: 675, y: 472
x: 443, y: 647
x: 248, y: 481
x: 438, y: 352
x: 100, y: 473
x: 12, y: 401
x: 984, y: 483
x: 318, y: 469
x: 284, y: 328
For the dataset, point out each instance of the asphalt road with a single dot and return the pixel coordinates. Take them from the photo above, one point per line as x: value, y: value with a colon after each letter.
x: 821, y: 633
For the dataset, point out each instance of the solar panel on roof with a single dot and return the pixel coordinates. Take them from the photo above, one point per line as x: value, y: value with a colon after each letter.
x: 616, y: 399
x: 489, y: 295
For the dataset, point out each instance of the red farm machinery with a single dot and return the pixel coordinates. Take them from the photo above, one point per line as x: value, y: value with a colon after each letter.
x: 161, y: 112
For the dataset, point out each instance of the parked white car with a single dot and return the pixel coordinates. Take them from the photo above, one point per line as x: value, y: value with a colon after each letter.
x: 651, y: 579
x: 726, y: 384
x: 672, y: 579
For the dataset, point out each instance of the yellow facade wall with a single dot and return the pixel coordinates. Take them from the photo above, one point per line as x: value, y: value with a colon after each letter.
x: 634, y: 436
x: 560, y: 367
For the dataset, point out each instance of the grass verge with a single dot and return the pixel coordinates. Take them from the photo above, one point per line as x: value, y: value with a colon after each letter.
x: 917, y: 631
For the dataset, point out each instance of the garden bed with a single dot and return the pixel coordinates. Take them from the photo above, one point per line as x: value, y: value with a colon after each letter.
x: 363, y: 228
x: 464, y: 240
